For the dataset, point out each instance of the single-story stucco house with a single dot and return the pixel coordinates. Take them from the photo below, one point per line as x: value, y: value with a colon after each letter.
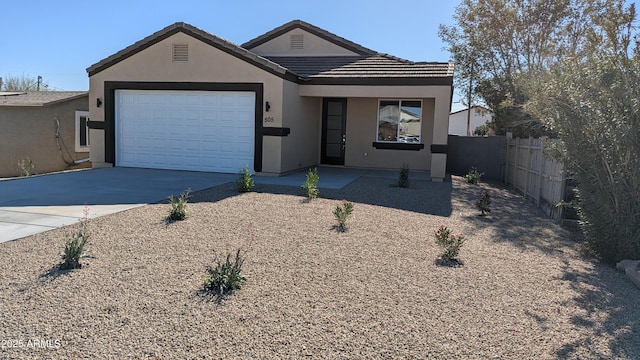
x: 46, y: 128
x: 480, y: 115
x: 294, y: 97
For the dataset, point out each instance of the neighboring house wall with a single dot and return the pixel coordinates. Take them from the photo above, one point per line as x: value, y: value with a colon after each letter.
x: 458, y: 120
x: 30, y: 131
x: 206, y: 64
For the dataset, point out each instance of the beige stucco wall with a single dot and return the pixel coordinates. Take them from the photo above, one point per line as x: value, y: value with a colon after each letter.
x: 30, y: 132
x: 362, y: 118
x: 303, y: 116
x: 313, y: 46
x: 440, y: 97
x: 206, y: 64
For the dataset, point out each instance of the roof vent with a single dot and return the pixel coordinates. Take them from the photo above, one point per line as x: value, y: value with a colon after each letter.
x: 296, y: 41
x: 180, y: 52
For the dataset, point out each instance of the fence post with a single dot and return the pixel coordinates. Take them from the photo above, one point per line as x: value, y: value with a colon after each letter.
x: 509, y: 137
x: 541, y: 171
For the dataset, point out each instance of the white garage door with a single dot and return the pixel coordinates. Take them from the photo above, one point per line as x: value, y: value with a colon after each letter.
x: 185, y: 130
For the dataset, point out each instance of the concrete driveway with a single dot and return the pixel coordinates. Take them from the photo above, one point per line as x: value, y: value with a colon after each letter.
x: 40, y: 203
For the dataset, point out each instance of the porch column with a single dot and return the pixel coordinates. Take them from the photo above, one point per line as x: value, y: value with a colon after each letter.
x: 440, y: 136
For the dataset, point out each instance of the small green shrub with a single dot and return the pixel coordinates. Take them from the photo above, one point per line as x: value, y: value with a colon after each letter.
x: 450, y: 243
x: 245, y: 183
x: 26, y: 165
x: 403, y: 179
x: 311, y: 184
x: 179, y: 206
x: 342, y: 213
x: 473, y: 176
x: 226, y: 276
x: 483, y: 203
x: 74, y: 248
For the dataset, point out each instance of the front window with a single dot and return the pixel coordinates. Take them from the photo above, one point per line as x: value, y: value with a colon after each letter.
x: 399, y: 121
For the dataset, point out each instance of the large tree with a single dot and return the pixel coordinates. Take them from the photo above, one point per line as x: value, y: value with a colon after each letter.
x: 591, y: 102
x: 498, y: 45
x: 23, y: 83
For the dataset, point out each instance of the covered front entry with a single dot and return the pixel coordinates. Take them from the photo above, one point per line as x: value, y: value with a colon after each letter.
x: 334, y: 136
x: 185, y: 129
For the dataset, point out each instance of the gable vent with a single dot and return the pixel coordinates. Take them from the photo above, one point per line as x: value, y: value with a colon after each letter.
x: 180, y: 52
x: 296, y: 41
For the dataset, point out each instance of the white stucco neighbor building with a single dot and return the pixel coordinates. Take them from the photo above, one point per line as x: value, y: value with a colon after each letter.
x: 458, y: 120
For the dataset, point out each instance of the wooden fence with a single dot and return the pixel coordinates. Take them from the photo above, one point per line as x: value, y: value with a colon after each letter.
x: 538, y: 178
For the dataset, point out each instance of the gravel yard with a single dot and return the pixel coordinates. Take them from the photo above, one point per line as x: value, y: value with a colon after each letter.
x: 376, y: 291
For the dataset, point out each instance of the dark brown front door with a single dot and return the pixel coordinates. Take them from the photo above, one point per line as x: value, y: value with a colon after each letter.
x: 334, y: 117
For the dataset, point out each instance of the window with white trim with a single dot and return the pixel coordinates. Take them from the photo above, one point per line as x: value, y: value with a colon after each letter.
x: 82, y: 131
x: 399, y: 121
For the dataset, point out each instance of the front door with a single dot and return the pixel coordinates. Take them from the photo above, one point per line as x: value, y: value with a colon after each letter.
x: 334, y: 117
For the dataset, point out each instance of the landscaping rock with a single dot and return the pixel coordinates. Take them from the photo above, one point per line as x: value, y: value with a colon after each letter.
x: 632, y: 269
x: 623, y: 265
x: 634, y: 275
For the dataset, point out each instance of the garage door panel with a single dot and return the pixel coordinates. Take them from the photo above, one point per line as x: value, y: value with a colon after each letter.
x: 188, y: 130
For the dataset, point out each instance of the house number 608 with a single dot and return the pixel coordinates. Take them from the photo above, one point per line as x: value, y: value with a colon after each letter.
x: 269, y: 119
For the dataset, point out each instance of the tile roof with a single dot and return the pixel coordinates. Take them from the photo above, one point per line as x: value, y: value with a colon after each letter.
x: 38, y: 98
x: 369, y: 67
x: 320, y: 69
x: 299, y: 24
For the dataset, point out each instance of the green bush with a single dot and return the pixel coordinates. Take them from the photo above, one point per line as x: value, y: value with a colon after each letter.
x: 74, y: 248
x: 483, y: 203
x: 26, y: 165
x: 342, y: 213
x: 450, y: 243
x: 179, y: 206
x: 594, y: 108
x: 246, y: 183
x: 403, y: 178
x: 473, y: 176
x: 226, y: 276
x: 311, y: 184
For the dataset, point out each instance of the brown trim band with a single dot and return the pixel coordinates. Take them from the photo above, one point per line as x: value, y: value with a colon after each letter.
x: 439, y: 148
x: 110, y: 88
x: 397, y: 146
x: 96, y: 124
x: 276, y: 131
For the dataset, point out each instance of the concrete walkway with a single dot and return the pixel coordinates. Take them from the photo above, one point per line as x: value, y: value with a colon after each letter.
x: 39, y: 203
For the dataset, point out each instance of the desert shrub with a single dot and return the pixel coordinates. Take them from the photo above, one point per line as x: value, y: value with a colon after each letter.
x: 311, y: 184
x: 226, y: 276
x: 342, y: 213
x: 403, y: 178
x: 481, y: 130
x: 483, y: 203
x: 594, y: 108
x: 26, y: 165
x: 74, y: 248
x: 473, y: 176
x: 179, y: 206
x: 450, y: 243
x: 245, y: 182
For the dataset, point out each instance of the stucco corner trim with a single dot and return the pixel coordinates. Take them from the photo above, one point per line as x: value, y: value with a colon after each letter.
x: 397, y: 146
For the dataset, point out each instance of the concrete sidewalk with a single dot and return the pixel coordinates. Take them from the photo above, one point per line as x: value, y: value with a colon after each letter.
x: 39, y: 203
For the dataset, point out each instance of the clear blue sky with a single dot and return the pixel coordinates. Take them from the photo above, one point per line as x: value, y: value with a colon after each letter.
x: 60, y: 39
